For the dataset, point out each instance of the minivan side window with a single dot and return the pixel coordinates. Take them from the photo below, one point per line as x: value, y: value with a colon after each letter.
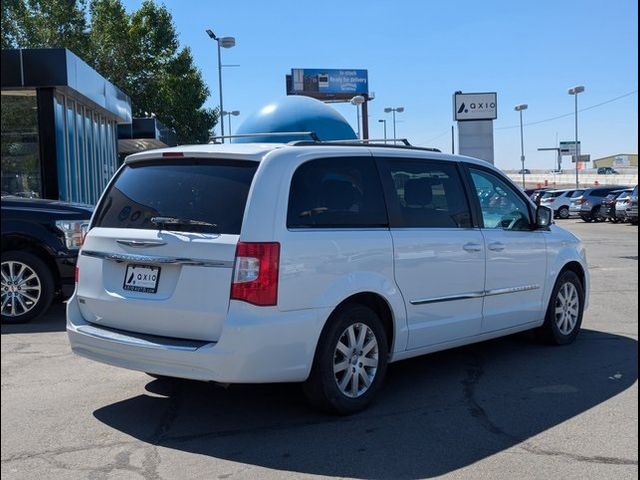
x: 336, y: 193
x: 502, y: 207
x: 428, y: 194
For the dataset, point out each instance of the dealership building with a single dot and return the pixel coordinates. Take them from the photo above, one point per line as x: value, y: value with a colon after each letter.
x: 64, y: 126
x: 621, y: 160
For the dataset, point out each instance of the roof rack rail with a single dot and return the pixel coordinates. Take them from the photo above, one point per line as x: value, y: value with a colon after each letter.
x: 385, y: 141
x: 312, y: 135
x: 390, y: 143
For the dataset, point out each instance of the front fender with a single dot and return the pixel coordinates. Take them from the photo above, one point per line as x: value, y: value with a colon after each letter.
x: 563, y: 248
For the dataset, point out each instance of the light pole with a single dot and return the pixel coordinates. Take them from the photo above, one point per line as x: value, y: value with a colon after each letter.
x: 384, y: 126
x: 520, y: 108
x: 223, y: 42
x: 357, y: 101
x: 575, y: 91
x: 394, y: 110
x: 234, y: 113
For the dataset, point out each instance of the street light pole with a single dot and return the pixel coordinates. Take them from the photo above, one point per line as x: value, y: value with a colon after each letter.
x: 575, y: 91
x: 357, y: 101
x: 223, y: 42
x: 384, y: 126
x: 393, y: 110
x: 234, y: 113
x: 520, y: 108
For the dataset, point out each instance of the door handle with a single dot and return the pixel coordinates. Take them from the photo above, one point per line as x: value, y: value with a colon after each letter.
x: 472, y: 247
x: 496, y: 246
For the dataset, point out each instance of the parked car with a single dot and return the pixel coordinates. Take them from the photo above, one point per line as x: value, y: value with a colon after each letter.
x: 524, y: 171
x: 536, y: 196
x: 607, y: 171
x: 588, y: 206
x: 315, y: 262
x: 632, y: 208
x: 40, y: 241
x: 608, y: 209
x: 559, y: 201
x: 622, y: 202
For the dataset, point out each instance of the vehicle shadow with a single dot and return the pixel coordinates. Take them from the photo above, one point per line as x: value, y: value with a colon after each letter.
x: 436, y: 414
x: 54, y: 320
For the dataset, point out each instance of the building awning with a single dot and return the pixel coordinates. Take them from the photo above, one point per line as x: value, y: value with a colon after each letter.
x: 32, y: 68
x: 144, y: 134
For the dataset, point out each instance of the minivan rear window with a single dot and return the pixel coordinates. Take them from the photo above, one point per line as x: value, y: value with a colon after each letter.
x: 211, y: 191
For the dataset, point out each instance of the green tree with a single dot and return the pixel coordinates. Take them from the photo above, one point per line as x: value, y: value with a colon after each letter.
x: 45, y: 23
x: 139, y: 52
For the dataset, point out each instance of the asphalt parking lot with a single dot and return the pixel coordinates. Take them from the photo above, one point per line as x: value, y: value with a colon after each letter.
x: 508, y: 408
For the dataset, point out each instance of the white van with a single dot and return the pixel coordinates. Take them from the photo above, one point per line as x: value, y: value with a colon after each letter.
x: 315, y: 262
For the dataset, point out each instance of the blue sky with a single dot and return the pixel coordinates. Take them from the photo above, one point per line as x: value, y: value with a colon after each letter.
x: 419, y: 52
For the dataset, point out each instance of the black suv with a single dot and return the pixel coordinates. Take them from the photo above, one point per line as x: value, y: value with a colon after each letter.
x: 40, y: 243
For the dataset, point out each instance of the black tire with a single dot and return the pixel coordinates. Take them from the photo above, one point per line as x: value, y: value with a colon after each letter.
x: 550, y: 331
x: 44, y: 277
x: 586, y: 219
x: 563, y: 213
x: 321, y: 388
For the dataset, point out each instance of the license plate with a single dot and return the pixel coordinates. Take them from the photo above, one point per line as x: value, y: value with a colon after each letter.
x: 141, y: 278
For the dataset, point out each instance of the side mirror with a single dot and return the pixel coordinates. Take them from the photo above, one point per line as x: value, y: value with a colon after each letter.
x: 544, y: 217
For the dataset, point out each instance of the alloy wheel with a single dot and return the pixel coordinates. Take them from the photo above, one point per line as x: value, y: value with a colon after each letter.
x: 567, y: 308
x: 21, y: 288
x: 355, y: 360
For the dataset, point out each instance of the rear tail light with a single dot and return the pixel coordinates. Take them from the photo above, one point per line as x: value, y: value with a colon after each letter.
x: 580, y: 201
x: 255, y: 273
x: 76, y: 275
x: 550, y: 200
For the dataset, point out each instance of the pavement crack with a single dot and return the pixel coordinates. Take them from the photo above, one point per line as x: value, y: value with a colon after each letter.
x: 475, y: 371
x: 577, y: 457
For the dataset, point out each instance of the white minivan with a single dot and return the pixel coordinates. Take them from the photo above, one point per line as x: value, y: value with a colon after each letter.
x: 315, y: 262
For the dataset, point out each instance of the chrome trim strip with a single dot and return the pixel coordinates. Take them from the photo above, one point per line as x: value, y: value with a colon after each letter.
x: 448, y: 298
x: 140, y: 340
x: 467, y: 296
x: 141, y: 243
x: 126, y: 257
x: 503, y: 291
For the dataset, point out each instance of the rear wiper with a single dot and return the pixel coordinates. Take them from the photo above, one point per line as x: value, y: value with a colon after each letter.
x: 163, y: 222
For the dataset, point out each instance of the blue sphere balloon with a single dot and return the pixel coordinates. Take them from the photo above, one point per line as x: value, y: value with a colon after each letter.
x: 295, y: 114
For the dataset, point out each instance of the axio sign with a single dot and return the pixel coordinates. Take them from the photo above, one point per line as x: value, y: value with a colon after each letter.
x: 475, y: 106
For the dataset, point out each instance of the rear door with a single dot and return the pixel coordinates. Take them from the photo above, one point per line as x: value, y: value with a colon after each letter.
x: 159, y: 256
x: 439, y: 258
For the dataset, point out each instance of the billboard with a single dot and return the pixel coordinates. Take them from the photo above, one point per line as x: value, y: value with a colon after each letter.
x: 328, y: 83
x: 475, y: 106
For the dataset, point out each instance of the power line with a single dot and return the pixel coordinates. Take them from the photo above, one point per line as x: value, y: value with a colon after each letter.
x: 424, y: 142
x: 570, y: 114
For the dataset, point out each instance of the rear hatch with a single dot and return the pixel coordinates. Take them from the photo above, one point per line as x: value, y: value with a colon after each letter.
x: 159, y: 256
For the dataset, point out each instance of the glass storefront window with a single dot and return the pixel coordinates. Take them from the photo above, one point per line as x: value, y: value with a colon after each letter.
x: 20, y: 147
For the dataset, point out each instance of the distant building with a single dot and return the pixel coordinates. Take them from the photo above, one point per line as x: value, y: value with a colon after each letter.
x: 621, y: 160
x: 63, y: 126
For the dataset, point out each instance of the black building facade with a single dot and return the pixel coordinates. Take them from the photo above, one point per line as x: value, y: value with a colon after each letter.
x: 61, y: 125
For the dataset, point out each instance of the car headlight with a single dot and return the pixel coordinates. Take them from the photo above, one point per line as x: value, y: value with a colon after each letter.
x: 74, y: 232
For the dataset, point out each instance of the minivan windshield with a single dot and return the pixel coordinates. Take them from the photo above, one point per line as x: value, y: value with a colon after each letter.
x: 207, y: 196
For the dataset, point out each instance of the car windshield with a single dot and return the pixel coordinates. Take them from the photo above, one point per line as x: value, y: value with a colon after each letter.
x: 577, y: 193
x: 623, y: 195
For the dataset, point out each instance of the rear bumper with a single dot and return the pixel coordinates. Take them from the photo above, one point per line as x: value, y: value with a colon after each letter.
x: 257, y: 345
